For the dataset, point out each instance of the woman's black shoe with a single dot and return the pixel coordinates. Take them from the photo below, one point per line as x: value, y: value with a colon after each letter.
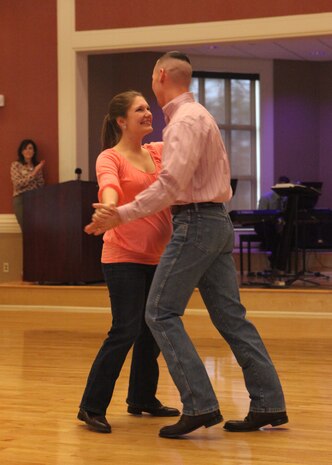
x: 160, y: 411
x: 95, y: 421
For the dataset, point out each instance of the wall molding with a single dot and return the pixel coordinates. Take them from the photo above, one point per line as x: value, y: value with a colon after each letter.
x: 9, y: 225
x: 75, y: 46
x: 132, y: 38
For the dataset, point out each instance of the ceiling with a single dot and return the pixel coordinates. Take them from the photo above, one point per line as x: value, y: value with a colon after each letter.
x: 304, y: 49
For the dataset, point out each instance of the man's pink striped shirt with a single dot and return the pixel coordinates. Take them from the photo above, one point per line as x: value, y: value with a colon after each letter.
x: 195, y: 162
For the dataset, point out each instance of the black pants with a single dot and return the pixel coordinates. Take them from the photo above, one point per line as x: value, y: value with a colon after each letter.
x: 128, y: 285
x: 270, y: 235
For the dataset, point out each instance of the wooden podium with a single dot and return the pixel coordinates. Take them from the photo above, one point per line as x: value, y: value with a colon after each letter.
x: 56, y: 250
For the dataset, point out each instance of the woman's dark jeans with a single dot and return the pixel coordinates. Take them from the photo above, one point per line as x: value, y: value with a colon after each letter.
x: 128, y: 285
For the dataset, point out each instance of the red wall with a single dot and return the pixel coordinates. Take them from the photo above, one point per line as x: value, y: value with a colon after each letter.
x: 28, y: 80
x: 106, y: 14
x: 28, y: 57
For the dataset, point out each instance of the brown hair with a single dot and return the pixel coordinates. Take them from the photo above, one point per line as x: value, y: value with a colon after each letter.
x: 23, y: 145
x: 178, y: 67
x: 176, y: 55
x: 119, y: 105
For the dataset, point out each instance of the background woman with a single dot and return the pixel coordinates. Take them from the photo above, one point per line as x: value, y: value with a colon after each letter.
x: 26, y: 175
x: 130, y: 255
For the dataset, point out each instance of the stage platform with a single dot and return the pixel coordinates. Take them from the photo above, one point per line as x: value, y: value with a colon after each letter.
x: 289, y: 311
x: 301, y: 309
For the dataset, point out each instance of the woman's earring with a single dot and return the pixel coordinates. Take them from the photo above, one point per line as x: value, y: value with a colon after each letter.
x: 124, y: 126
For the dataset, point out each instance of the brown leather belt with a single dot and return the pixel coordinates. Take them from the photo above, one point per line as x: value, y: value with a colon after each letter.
x: 175, y: 209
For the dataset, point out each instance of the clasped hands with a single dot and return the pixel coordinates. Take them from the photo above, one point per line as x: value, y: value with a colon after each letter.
x: 105, y: 217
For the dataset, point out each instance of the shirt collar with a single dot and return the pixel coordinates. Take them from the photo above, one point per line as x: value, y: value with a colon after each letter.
x: 170, y: 108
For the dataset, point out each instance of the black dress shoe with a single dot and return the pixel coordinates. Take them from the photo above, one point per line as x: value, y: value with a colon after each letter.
x: 95, y: 421
x: 188, y: 423
x: 255, y: 420
x: 160, y: 411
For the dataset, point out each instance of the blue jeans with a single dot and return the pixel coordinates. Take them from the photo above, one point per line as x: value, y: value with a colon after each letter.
x: 128, y: 285
x: 200, y: 255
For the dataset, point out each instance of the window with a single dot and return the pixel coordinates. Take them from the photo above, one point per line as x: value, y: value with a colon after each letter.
x: 233, y: 101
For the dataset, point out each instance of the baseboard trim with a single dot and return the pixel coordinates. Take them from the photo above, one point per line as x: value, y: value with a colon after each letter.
x: 53, y: 308
x: 192, y: 311
x: 9, y: 224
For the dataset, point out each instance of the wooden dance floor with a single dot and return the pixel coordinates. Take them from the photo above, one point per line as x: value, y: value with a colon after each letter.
x: 45, y: 355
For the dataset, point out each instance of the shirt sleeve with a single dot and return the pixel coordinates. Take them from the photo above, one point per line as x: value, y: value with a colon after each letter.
x: 262, y: 204
x: 20, y: 178
x: 40, y: 179
x: 107, y: 169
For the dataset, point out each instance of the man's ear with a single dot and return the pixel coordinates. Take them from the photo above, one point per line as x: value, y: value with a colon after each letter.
x: 162, y: 74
